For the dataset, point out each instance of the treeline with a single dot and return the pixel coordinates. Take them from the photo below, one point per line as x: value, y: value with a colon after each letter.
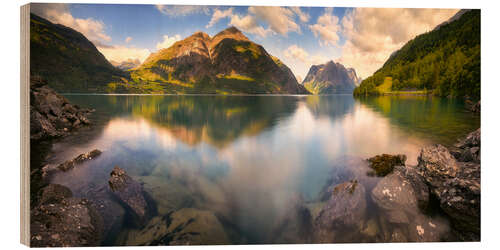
x: 446, y: 61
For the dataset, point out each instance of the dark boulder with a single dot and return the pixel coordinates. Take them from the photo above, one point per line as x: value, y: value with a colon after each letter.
x: 130, y: 193
x: 111, y: 212
x: 54, y: 193
x: 51, y: 115
x: 64, y: 221
x: 456, y: 185
x: 345, y: 210
x: 385, y: 163
x: 468, y: 149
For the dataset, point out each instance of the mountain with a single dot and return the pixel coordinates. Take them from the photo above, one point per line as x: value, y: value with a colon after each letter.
x: 67, y: 60
x: 228, y: 63
x: 330, y: 78
x: 126, y: 65
x: 352, y: 74
x: 445, y: 62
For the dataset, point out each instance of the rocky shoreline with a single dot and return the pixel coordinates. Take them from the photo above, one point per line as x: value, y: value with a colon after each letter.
x: 52, y: 115
x: 405, y: 196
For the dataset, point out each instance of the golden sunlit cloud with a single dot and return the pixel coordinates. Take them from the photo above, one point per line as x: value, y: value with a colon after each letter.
x: 372, y: 34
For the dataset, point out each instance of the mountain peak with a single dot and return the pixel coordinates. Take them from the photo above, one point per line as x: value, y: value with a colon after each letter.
x: 231, y: 32
x: 329, y: 78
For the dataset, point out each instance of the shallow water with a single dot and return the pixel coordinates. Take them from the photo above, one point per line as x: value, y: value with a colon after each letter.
x: 247, y: 159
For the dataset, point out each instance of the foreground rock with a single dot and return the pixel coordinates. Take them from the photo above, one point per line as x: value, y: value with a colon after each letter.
x: 400, y: 196
x: 51, y: 115
x: 385, y: 163
x: 473, y: 106
x: 396, y: 198
x: 49, y: 169
x: 457, y: 185
x: 468, y: 149
x: 111, y: 212
x: 60, y: 220
x: 343, y: 212
x: 295, y: 227
x: 188, y: 226
x: 130, y: 194
x: 169, y: 195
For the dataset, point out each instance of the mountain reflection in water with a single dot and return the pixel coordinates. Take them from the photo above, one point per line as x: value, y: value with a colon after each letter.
x: 247, y: 159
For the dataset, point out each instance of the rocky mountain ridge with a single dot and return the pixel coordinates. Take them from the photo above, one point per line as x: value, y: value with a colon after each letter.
x: 331, y: 78
x: 225, y: 63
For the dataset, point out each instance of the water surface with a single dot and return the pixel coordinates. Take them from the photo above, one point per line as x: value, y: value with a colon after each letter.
x: 248, y: 158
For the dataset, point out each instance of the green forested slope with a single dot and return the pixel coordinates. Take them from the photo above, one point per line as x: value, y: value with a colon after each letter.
x: 67, y: 60
x: 446, y: 61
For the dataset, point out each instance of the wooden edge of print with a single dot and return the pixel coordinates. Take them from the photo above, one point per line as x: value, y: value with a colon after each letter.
x: 25, y: 130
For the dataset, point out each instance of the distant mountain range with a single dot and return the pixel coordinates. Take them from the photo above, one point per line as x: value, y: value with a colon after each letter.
x: 331, y: 78
x: 445, y: 62
x: 126, y: 65
x: 228, y: 63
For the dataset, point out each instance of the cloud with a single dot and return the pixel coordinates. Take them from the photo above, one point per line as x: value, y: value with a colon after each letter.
x: 182, y: 10
x: 327, y: 28
x: 303, y: 17
x: 296, y: 52
x: 372, y: 34
x: 128, y: 39
x: 249, y: 24
x: 279, y: 19
x: 59, y: 13
x: 168, y: 41
x: 122, y: 53
x: 219, y: 14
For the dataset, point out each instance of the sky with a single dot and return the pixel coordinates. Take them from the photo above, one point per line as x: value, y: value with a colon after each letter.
x: 361, y: 38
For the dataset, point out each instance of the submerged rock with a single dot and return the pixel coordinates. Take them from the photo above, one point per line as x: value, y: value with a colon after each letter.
x: 295, y: 227
x: 79, y: 160
x: 345, y: 210
x: 49, y: 169
x: 396, y: 198
x: 130, y: 193
x: 188, y: 226
x: 385, y: 163
x: 169, y: 194
x: 111, y: 212
x: 63, y: 221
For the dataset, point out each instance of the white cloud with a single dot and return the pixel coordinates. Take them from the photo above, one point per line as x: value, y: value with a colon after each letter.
x: 168, y: 41
x: 59, y: 13
x: 372, y: 34
x: 219, y: 14
x: 249, y: 24
x: 128, y: 39
x: 182, y: 10
x: 121, y: 53
x: 303, y: 17
x: 296, y: 52
x: 279, y: 19
x: 327, y: 28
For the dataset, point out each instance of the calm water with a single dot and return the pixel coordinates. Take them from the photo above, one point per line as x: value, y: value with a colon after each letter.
x: 248, y: 158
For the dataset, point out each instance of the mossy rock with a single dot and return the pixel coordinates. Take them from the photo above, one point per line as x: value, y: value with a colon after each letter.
x: 384, y: 164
